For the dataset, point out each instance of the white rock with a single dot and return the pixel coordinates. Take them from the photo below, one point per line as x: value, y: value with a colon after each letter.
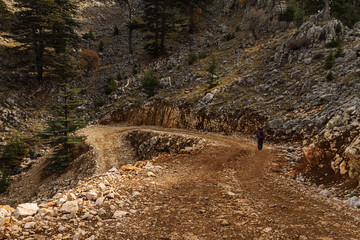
x: 30, y: 225
x: 325, y: 192
x: 71, y: 197
x: 151, y: 174
x: 26, y: 209
x: 62, y: 228
x: 119, y: 214
x: 91, y: 195
x: 136, y: 193
x: 106, y: 182
x: 102, y: 186
x: 230, y: 193
x: 3, y: 213
x: 70, y: 207
x: 62, y: 200
x: 114, y: 169
x: 99, y: 201
x: 45, y: 211
x: 132, y: 211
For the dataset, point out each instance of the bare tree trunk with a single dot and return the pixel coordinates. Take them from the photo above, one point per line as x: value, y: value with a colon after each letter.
x: 326, y: 13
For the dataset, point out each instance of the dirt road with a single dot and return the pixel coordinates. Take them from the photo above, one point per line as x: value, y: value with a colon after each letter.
x: 227, y: 191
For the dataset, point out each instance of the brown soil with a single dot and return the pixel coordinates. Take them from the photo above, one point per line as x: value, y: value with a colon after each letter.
x: 228, y: 190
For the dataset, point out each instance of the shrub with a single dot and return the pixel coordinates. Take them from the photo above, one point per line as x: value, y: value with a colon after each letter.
x: 202, y: 55
x: 329, y: 61
x: 14, y: 151
x: 338, y: 28
x: 296, y: 44
x: 229, y: 36
x: 192, y: 58
x: 101, y: 46
x: 135, y: 69
x: 116, y: 30
x: 339, y: 52
x: 288, y: 15
x: 150, y: 83
x: 237, y: 29
x: 4, y: 180
x: 212, y: 70
x: 330, y: 76
x: 88, y: 60
x: 169, y: 67
x: 334, y: 43
x: 212, y: 66
x: 89, y: 35
x: 99, y: 102
x: 110, y: 86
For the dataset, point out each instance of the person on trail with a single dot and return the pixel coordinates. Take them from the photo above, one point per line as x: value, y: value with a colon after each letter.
x: 260, y: 138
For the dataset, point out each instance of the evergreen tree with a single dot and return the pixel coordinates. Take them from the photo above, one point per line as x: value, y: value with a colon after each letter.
x: 348, y: 11
x: 160, y: 19
x: 64, y: 27
x: 60, y: 132
x: 41, y: 27
x: 132, y: 24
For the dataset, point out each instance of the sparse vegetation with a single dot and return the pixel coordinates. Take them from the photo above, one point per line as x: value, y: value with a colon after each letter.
x: 150, y: 83
x: 101, y: 46
x: 110, y: 86
x: 99, y: 102
x: 211, y: 69
x: 89, y: 35
x: 135, y: 69
x: 4, y: 180
x: 334, y: 43
x: 339, y: 52
x: 116, y: 30
x: 192, y: 58
x: 14, y: 151
x: 329, y: 61
x: 230, y: 36
x: 61, y: 129
x: 88, y: 60
x: 330, y: 76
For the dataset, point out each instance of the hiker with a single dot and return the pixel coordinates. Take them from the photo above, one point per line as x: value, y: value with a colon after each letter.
x: 260, y: 138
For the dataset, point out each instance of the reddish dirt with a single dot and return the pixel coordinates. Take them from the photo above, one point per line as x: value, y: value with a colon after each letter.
x: 229, y: 191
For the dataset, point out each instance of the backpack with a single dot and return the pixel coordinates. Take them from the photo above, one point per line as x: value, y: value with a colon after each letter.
x: 261, y: 135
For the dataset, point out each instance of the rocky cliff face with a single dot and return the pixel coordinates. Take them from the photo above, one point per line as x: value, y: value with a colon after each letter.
x: 160, y: 113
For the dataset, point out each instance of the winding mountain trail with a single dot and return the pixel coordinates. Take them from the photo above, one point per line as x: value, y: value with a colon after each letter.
x: 226, y: 191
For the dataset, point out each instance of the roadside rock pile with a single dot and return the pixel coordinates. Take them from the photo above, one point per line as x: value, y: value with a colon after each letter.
x: 78, y: 213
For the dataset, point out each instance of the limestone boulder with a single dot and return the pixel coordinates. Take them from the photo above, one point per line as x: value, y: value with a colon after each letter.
x: 26, y: 209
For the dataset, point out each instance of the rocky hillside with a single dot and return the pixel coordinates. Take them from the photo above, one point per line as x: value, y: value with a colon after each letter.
x: 279, y: 79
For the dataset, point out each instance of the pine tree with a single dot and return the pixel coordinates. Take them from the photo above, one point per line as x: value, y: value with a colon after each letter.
x: 64, y: 28
x: 41, y: 27
x: 160, y: 19
x: 60, y: 132
x: 132, y: 24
